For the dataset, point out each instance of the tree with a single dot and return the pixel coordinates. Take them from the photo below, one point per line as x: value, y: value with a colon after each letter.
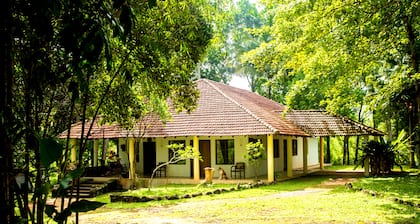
x: 71, y: 60
x: 347, y: 57
x: 383, y: 156
x: 254, y: 154
x: 218, y: 62
x: 179, y: 153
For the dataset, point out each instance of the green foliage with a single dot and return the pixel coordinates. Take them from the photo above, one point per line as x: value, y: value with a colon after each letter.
x: 342, y: 56
x: 383, y: 156
x: 72, y: 60
x: 50, y: 151
x: 85, y: 206
x: 179, y: 153
x: 255, y: 152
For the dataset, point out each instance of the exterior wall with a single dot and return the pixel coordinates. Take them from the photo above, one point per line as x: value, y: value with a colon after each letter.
x: 162, y: 155
x: 185, y: 170
x: 313, y: 151
x: 123, y: 154
x: 262, y: 171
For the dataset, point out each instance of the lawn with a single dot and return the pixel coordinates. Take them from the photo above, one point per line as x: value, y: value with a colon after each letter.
x: 301, y: 200
x: 403, y: 187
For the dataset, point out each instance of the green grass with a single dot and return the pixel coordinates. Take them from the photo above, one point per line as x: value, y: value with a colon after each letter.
x: 175, y: 189
x: 266, y: 205
x: 402, y: 187
x: 181, y: 189
x: 343, y: 167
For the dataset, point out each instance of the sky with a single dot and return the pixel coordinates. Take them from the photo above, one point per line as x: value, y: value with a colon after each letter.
x: 239, y: 82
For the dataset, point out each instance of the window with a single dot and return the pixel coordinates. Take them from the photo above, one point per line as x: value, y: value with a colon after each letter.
x: 294, y: 147
x: 276, y: 148
x: 225, y: 151
x: 171, y: 152
x: 254, y: 140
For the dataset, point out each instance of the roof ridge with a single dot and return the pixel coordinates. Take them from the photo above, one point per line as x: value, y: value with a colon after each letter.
x: 209, y: 82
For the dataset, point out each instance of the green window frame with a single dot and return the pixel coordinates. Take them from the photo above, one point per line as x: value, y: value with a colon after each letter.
x: 276, y: 148
x: 225, y: 151
x: 294, y: 147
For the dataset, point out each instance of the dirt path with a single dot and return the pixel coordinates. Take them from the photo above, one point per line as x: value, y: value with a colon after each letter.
x: 168, y: 214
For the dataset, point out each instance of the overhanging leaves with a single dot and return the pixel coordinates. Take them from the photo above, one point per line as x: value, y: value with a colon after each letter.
x: 50, y: 151
x: 85, y: 206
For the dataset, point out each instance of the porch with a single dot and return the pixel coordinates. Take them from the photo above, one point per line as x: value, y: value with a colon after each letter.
x: 142, y: 181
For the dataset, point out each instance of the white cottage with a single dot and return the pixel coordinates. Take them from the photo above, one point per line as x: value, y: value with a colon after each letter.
x: 226, y: 119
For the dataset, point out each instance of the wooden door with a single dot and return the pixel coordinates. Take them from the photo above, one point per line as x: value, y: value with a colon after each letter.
x: 149, y: 157
x: 205, y: 155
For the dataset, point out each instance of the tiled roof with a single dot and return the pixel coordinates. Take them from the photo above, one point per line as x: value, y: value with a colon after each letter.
x: 222, y: 111
x: 319, y: 123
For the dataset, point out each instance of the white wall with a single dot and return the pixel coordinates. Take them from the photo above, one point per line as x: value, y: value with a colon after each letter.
x: 184, y: 170
x: 313, y: 151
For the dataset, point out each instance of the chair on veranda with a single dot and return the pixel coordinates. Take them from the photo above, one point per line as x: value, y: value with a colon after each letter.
x: 161, y: 171
x: 238, y: 168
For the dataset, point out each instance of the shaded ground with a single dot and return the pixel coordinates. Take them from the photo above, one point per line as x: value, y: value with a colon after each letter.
x: 171, y: 214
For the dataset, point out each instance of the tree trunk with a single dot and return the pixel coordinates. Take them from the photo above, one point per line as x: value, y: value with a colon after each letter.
x: 6, y: 83
x: 412, y: 51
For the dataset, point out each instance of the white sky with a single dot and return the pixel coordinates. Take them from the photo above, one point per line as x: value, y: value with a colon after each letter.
x: 239, y: 82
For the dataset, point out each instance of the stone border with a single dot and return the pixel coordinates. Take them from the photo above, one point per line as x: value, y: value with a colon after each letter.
x: 130, y: 199
x: 349, y: 186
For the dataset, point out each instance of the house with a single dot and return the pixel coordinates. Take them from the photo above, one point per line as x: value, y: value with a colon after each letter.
x: 226, y: 119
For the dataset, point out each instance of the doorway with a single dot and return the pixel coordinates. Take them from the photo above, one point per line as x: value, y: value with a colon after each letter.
x: 149, y: 157
x: 205, y: 155
x: 285, y: 155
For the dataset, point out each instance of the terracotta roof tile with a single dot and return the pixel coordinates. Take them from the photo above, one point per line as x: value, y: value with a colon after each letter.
x: 226, y: 111
x: 320, y: 123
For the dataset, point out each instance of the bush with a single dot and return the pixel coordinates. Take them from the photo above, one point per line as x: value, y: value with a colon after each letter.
x: 383, y: 156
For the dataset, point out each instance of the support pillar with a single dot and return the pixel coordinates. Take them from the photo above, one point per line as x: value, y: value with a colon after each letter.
x: 366, y: 166
x: 196, y: 159
x: 270, y: 159
x: 132, y: 173
x: 321, y: 153
x: 289, y: 157
x: 95, y: 152
x: 73, y: 145
x: 305, y: 155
